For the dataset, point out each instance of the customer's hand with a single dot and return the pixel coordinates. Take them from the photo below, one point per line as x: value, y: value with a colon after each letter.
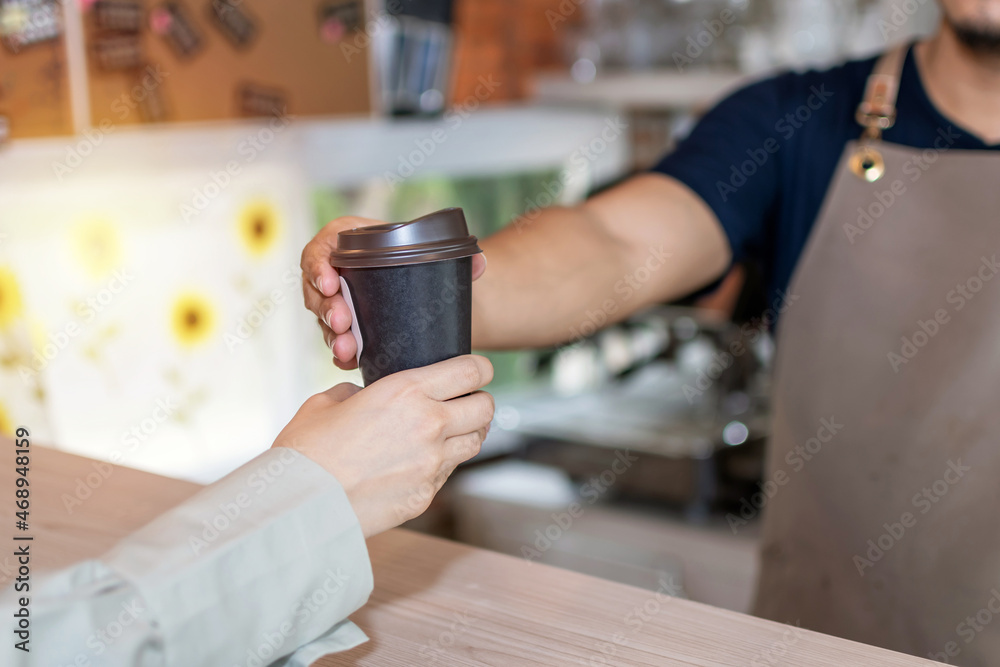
x: 321, y: 289
x: 393, y: 444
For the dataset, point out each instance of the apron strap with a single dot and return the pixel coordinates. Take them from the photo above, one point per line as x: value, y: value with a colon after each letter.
x: 877, y: 111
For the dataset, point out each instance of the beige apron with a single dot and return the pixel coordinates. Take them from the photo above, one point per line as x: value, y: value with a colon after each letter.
x: 882, y: 525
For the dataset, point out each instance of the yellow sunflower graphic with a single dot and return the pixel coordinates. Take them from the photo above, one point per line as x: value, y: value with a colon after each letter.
x: 192, y: 319
x: 97, y: 246
x: 259, y: 227
x: 11, y: 306
x: 6, y: 425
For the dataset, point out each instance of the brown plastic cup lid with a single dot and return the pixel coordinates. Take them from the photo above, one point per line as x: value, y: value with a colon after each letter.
x: 431, y: 238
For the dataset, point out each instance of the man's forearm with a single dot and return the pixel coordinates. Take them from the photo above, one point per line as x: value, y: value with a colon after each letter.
x: 543, y: 273
x: 562, y: 273
x: 542, y: 269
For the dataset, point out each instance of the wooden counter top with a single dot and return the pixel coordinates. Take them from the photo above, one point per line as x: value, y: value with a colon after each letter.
x: 438, y: 602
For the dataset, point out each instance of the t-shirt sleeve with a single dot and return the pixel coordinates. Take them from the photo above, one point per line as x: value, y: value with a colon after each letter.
x: 732, y: 160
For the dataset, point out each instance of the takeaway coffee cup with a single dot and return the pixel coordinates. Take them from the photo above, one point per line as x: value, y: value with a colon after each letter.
x: 409, y: 288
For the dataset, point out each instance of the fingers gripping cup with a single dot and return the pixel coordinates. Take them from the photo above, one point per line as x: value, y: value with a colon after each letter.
x: 409, y: 288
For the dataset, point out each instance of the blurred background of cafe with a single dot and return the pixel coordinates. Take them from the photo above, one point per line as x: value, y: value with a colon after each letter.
x: 162, y: 165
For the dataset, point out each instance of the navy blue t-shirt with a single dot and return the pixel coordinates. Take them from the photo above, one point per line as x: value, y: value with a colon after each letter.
x: 764, y: 157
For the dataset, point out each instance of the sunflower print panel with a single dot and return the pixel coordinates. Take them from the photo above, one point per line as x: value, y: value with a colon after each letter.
x: 11, y: 305
x: 192, y: 319
x: 6, y: 425
x: 259, y: 227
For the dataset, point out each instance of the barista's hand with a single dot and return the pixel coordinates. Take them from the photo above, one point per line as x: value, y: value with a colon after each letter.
x: 321, y: 289
x: 393, y: 444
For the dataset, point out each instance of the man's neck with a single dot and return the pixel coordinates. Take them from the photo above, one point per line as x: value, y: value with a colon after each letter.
x: 964, y: 86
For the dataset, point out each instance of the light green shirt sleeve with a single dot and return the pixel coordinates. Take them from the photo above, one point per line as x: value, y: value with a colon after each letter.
x: 260, y: 568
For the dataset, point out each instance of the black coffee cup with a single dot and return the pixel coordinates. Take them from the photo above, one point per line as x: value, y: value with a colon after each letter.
x: 409, y: 288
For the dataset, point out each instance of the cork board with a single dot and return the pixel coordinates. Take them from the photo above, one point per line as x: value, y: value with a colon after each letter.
x: 289, y: 61
x: 34, y: 90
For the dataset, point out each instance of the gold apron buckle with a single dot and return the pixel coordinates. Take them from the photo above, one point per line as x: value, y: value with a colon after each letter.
x: 867, y: 164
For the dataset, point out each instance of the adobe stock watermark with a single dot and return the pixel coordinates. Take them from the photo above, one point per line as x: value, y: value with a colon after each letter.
x: 902, y: 12
x: 230, y: 512
x: 262, y: 310
x: 562, y: 12
x: 453, y: 119
x: 750, y: 333
x: 958, y: 298
x: 380, y: 20
x: 625, y: 288
x: 607, y: 651
x: 436, y: 649
x: 786, y: 128
x: 87, y: 311
x: 796, y: 460
x: 923, y: 501
x: 30, y: 23
x: 163, y: 409
x: 248, y: 149
x: 775, y: 653
x: 969, y: 628
x: 103, y: 639
x: 416, y: 502
x: 578, y: 165
x: 122, y: 107
x: 270, y: 646
x: 913, y: 169
x: 590, y: 492
x: 709, y: 30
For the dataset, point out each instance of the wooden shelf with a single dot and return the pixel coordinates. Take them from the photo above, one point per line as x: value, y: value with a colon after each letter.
x: 666, y: 90
x: 335, y: 152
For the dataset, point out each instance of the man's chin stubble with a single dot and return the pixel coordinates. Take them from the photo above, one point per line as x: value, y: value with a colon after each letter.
x: 979, y: 39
